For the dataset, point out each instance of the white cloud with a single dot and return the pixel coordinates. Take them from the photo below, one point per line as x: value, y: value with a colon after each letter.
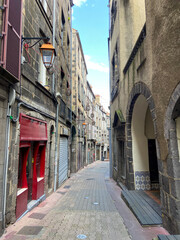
x: 95, y: 66
x: 78, y: 3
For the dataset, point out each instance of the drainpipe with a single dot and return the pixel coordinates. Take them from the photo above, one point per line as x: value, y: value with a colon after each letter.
x: 71, y: 61
x: 6, y: 167
x: 58, y: 95
x: 57, y: 104
x: 11, y: 100
x: 54, y: 42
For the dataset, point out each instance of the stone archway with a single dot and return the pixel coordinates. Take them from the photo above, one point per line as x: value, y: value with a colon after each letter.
x: 139, y: 89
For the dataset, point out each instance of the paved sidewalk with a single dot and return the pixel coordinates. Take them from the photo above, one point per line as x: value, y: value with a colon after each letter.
x: 88, y: 204
x: 82, y: 206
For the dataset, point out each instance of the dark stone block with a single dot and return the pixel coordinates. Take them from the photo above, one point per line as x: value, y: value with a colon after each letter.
x: 151, y: 103
x: 164, y: 202
x: 165, y: 183
x: 174, y: 148
x: 131, y: 177
x: 129, y: 144
x: 174, y: 208
x: 175, y: 188
x: 131, y: 169
x: 160, y: 166
x: 172, y: 134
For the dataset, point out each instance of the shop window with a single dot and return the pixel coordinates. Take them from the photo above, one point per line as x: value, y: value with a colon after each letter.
x: 40, y: 162
x: 23, y: 155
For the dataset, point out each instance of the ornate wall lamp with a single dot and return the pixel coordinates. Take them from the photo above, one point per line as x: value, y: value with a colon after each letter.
x: 47, y: 50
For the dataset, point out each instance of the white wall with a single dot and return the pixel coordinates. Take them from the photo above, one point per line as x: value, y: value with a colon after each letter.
x: 139, y: 140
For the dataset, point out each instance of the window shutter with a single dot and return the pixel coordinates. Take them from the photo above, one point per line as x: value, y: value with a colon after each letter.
x: 13, y: 52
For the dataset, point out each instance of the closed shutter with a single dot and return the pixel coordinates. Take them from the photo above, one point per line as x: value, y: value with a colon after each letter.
x: 12, y: 50
x: 63, y: 160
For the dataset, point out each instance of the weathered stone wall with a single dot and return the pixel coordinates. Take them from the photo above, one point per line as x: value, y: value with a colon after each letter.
x: 163, y: 36
x: 3, y: 121
x: 37, y: 100
x: 154, y: 73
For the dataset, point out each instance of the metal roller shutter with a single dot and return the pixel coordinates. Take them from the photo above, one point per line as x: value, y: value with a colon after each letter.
x: 63, y: 160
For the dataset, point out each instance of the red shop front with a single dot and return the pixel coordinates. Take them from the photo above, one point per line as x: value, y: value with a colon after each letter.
x: 33, y: 138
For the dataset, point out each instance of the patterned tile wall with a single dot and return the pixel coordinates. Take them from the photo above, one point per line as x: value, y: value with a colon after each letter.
x: 142, y: 180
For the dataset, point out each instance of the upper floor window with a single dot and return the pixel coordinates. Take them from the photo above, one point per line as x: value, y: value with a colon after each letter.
x: 68, y: 48
x: 113, y: 15
x: 62, y: 28
x: 44, y: 3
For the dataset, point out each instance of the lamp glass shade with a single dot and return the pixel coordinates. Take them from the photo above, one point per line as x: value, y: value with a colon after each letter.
x: 47, y: 53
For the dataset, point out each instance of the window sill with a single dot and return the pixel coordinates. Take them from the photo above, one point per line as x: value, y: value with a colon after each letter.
x: 20, y: 191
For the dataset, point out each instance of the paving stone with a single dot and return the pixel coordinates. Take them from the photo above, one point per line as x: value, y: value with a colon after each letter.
x: 74, y: 213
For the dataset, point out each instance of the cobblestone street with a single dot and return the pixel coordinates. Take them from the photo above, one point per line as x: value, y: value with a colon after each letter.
x: 81, y: 209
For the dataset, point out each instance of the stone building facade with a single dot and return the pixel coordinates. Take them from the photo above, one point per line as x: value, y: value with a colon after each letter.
x: 102, y: 134
x: 91, y: 124
x: 144, y: 53
x: 79, y: 87
x: 38, y: 135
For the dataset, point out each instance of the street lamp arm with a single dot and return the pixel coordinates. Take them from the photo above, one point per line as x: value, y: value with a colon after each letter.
x: 35, y: 38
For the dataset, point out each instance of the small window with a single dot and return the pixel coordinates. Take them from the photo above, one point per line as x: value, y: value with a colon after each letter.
x: 62, y: 74
x: 62, y: 28
x: 44, y: 3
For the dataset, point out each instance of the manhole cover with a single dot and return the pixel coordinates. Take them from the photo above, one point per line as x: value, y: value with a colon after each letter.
x: 37, y: 215
x: 90, y: 178
x: 67, y: 186
x: 81, y: 236
x: 30, y: 230
x: 61, y: 192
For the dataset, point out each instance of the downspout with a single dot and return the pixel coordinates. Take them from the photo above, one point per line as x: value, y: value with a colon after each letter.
x: 56, y: 140
x: 71, y: 61
x: 54, y: 42
x: 57, y: 104
x: 11, y: 100
x: 71, y: 5
x: 6, y: 166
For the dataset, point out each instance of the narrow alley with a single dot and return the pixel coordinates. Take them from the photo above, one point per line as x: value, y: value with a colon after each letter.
x: 87, y: 206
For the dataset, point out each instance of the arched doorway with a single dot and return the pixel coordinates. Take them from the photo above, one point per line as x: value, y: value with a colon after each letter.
x: 144, y: 147
x: 141, y: 128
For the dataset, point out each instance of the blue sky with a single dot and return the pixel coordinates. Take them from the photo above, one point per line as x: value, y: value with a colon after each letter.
x: 91, y: 19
